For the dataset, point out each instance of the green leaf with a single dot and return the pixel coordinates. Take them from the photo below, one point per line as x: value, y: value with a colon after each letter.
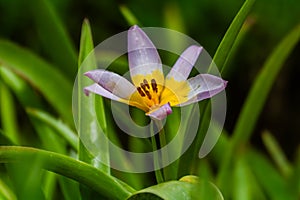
x: 188, y: 188
x: 6, y: 192
x: 228, y: 68
x: 277, y: 154
x: 255, y: 101
x: 242, y: 183
x: 90, y: 109
x: 86, y: 43
x: 43, y: 76
x: 61, y: 128
x: 90, y: 119
x: 245, y: 184
x: 26, y: 179
x: 219, y: 59
x: 128, y: 15
x: 231, y: 35
x: 54, y: 37
x: 49, y: 184
x: 8, y: 114
x: 70, y: 188
x: 22, y: 90
x: 273, y: 184
x: 86, y: 174
x: 4, y: 140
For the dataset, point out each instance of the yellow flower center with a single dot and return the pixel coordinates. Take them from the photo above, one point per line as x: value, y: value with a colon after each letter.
x: 149, y: 93
x: 154, y: 91
x: 150, y: 96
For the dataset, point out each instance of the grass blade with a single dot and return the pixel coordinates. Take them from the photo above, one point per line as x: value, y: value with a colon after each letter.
x: 54, y: 37
x: 277, y: 154
x: 69, y: 167
x: 231, y: 35
x: 43, y: 76
x: 25, y: 94
x: 57, y: 125
x: 273, y: 184
x: 129, y: 16
x: 8, y: 114
x: 253, y: 105
x: 219, y: 59
x: 86, y: 106
x: 6, y: 192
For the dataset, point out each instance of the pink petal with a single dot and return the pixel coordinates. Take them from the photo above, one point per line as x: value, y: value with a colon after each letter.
x: 112, y: 82
x: 143, y: 57
x: 204, y: 86
x: 183, y: 66
x: 161, y: 112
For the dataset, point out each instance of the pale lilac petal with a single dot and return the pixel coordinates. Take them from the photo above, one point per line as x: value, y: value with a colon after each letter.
x: 183, y: 66
x: 112, y: 82
x: 143, y: 57
x: 204, y: 86
x: 161, y: 112
x: 97, y: 89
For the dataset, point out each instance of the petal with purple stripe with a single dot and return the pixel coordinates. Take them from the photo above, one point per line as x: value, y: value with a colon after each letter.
x: 204, y: 86
x: 160, y: 113
x: 143, y: 58
x: 97, y: 89
x: 112, y: 82
x: 183, y: 66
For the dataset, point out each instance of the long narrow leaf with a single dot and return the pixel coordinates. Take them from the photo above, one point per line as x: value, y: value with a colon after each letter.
x: 53, y: 85
x: 21, y: 89
x: 277, y: 154
x: 88, y: 111
x: 58, y: 125
x: 273, y: 184
x: 8, y: 114
x: 69, y: 167
x: 219, y: 59
x: 231, y: 34
x: 54, y: 37
x: 6, y: 192
x: 256, y: 99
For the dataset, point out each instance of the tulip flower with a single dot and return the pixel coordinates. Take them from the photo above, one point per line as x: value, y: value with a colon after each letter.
x: 150, y: 91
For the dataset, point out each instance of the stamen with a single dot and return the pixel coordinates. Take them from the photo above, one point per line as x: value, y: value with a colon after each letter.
x: 143, y: 87
x: 140, y: 91
x: 148, y: 94
x: 154, y: 86
x: 146, y: 83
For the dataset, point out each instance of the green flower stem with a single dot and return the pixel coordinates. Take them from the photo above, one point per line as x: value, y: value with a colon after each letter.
x: 163, y: 144
x: 106, y: 185
x: 158, y: 173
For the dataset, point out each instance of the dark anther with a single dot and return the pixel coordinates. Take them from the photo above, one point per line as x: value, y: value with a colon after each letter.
x: 146, y: 83
x: 143, y: 87
x: 141, y: 91
x: 154, y: 85
x: 148, y: 94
